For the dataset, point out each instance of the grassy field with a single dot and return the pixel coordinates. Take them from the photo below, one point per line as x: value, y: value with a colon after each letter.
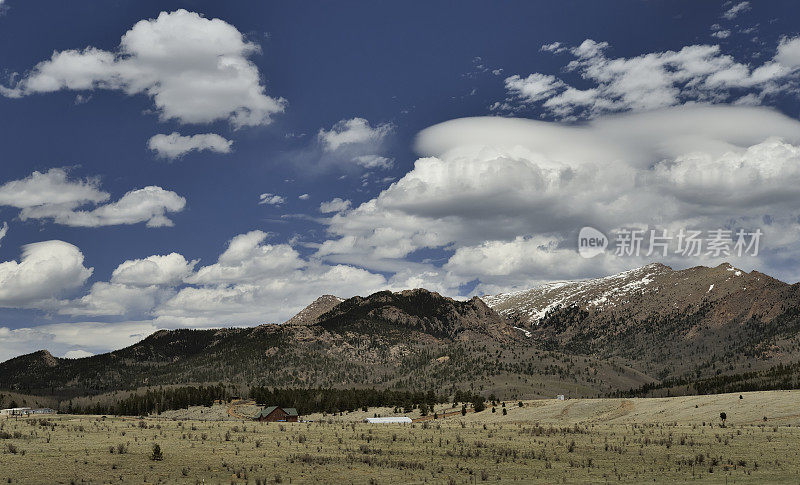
x: 573, y: 441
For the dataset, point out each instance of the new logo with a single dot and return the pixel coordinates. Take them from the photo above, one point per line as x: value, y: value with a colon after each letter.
x: 591, y: 242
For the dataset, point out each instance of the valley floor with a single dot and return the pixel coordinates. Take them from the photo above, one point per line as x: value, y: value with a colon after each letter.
x: 573, y: 441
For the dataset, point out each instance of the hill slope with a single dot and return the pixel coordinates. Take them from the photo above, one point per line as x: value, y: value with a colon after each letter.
x: 411, y: 339
x: 649, y: 331
x: 688, y: 325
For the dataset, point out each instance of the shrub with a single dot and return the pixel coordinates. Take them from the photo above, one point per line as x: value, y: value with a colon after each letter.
x: 156, y: 455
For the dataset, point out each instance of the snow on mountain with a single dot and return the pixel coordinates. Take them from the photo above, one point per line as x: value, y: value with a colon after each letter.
x: 651, y: 288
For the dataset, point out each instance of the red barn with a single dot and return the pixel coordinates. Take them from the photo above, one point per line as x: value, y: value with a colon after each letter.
x: 278, y: 414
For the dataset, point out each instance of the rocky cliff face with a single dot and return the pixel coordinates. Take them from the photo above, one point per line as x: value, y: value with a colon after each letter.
x: 421, y: 311
x: 310, y: 314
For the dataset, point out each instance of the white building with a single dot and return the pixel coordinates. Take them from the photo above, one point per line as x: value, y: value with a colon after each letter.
x: 26, y: 411
x: 15, y: 411
x: 390, y: 419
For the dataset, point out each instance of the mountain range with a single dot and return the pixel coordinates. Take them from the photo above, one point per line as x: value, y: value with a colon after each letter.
x: 648, y: 331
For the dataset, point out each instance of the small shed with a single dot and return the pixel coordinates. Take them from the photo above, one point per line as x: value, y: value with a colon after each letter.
x: 389, y: 419
x: 277, y: 414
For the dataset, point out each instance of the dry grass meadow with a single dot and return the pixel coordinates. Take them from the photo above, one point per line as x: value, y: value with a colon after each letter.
x: 675, y: 440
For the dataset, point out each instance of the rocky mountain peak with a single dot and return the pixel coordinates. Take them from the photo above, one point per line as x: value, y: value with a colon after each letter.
x: 309, y: 314
x: 654, y: 288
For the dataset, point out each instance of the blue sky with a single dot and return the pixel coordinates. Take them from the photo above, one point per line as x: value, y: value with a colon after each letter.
x: 139, y: 138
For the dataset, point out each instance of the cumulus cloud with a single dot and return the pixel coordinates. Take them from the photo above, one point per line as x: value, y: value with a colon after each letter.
x: 196, y: 70
x: 256, y: 282
x: 149, y: 204
x: 45, y: 271
x: 304, y: 197
x: 271, y: 199
x: 175, y: 145
x: 491, y: 189
x: 356, y: 141
x: 697, y: 73
x: 523, y: 262
x: 53, y: 195
x: 246, y: 259
x: 136, y: 287
x: 167, y: 270
x: 51, y: 188
x: 534, y: 87
x: 352, y: 132
x: 789, y: 52
x: 334, y: 205
x: 105, y: 299
x: 3, y: 231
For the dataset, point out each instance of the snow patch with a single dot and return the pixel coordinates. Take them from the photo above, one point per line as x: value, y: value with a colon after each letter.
x: 527, y: 333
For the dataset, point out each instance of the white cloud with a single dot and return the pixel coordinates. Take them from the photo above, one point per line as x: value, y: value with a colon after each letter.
x: 735, y: 10
x: 106, y: 299
x: 51, y: 188
x: 149, y: 204
x: 175, y: 145
x: 196, y: 70
x: 3, y: 231
x: 721, y: 34
x: 334, y: 205
x: 304, y: 197
x: 555, y: 47
x: 352, y: 132
x: 523, y: 262
x: 789, y: 52
x: 766, y: 174
x: 247, y: 259
x: 495, y: 188
x: 374, y: 161
x: 271, y: 199
x: 696, y: 73
x: 357, y: 142
x: 254, y: 282
x: 77, y: 354
x: 61, y: 338
x: 52, y: 195
x: 535, y: 87
x: 167, y: 270
x: 45, y: 270
x: 136, y: 288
